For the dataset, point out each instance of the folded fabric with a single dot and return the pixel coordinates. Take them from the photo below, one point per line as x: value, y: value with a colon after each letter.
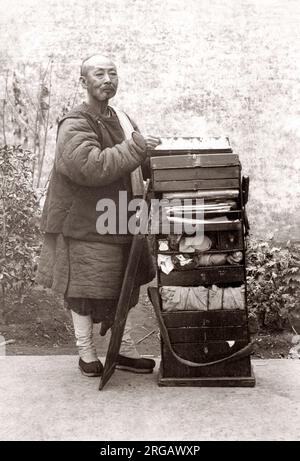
x: 177, y: 298
x: 235, y: 258
x: 163, y: 245
x: 165, y: 263
x: 215, y: 259
x: 234, y: 298
x: 190, y: 244
x: 185, y: 262
x: 184, y: 298
x: 226, y: 298
x: 215, y: 296
x: 197, y: 299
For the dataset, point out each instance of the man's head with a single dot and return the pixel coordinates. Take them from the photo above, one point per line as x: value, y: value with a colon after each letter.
x: 99, y: 77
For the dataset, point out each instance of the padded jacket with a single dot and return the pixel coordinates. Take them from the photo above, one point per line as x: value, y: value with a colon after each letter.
x: 92, y: 161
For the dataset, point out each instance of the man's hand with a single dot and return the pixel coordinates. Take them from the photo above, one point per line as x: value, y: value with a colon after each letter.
x: 152, y: 142
x: 144, y: 143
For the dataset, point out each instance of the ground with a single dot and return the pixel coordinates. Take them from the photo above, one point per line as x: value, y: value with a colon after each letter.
x: 42, y: 326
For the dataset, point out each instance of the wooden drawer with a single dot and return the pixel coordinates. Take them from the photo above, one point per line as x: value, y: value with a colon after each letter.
x: 203, y: 276
x: 195, y: 184
x: 203, y: 334
x: 198, y: 178
x: 205, y: 319
x: 207, y: 351
x: 171, y: 368
x: 183, y: 174
x: 193, y: 161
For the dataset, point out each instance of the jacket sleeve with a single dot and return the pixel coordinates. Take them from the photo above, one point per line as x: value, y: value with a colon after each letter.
x: 80, y: 157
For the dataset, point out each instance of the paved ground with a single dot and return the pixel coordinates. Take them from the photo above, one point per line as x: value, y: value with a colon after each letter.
x: 46, y: 398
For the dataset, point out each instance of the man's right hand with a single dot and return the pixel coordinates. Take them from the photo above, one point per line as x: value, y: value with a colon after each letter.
x: 145, y: 143
x: 152, y: 142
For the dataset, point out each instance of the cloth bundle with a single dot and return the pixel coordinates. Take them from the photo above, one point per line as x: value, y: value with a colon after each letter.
x: 184, y: 298
x: 185, y: 244
x: 167, y: 263
x: 202, y: 298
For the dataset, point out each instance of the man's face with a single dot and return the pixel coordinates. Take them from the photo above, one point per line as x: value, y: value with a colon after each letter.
x: 101, y: 79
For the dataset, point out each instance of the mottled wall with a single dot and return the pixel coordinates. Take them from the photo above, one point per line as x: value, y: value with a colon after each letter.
x: 199, y: 67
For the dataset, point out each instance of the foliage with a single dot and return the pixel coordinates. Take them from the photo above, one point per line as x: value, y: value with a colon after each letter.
x: 26, y: 113
x: 273, y: 275
x: 19, y: 220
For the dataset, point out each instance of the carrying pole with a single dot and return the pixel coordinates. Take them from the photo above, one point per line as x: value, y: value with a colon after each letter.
x: 125, y: 294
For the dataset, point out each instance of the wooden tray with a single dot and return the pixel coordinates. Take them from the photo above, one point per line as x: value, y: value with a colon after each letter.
x: 203, y: 276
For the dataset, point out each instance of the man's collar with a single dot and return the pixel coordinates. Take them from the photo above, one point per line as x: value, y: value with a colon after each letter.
x: 96, y: 114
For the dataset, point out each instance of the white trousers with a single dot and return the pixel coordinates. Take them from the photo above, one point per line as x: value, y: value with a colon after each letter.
x: 83, y: 328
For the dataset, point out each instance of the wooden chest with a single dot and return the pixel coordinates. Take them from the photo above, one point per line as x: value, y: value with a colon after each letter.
x: 193, y: 338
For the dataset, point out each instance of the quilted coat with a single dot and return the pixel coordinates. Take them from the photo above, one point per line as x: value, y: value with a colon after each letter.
x: 92, y: 161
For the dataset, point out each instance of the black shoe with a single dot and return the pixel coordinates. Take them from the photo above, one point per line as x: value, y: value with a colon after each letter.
x: 140, y: 365
x: 90, y: 369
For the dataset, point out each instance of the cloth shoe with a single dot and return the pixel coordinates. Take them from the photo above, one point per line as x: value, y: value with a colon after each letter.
x: 129, y: 358
x: 139, y: 365
x: 128, y: 347
x: 91, y: 369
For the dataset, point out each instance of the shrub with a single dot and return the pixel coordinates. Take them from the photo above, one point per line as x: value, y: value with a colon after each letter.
x: 273, y: 275
x: 19, y: 220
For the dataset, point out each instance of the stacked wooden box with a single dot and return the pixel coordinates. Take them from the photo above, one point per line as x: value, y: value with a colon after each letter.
x: 203, y: 168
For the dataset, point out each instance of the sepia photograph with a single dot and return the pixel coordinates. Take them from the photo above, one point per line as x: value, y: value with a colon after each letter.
x: 149, y: 223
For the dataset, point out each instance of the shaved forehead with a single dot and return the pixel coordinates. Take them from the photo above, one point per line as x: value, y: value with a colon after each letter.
x: 96, y: 60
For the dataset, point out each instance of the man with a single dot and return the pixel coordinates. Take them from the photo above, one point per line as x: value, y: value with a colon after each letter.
x: 98, y: 152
